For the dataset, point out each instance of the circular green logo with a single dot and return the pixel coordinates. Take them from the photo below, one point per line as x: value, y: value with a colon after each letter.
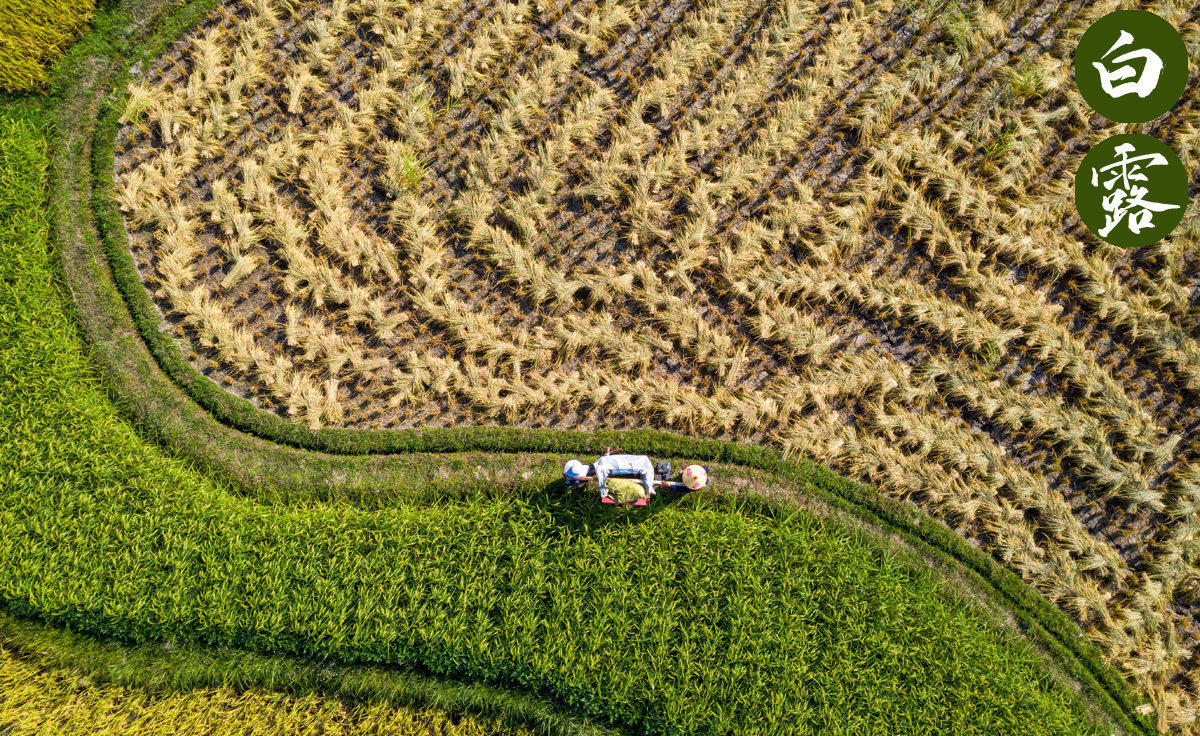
x: 1131, y: 66
x: 1131, y: 190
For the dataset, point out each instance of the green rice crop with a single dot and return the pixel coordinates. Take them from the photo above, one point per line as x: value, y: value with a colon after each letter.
x: 699, y: 617
x: 33, y: 33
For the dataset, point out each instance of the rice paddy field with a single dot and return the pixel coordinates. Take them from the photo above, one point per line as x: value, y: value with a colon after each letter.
x: 704, y: 618
x: 305, y: 302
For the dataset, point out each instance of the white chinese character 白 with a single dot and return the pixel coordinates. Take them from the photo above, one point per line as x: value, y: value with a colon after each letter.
x: 1145, y: 82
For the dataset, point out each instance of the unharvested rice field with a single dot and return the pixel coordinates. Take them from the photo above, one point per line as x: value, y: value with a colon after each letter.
x: 844, y: 229
x: 33, y: 34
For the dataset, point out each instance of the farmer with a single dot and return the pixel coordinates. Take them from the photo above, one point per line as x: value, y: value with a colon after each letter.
x: 635, y: 485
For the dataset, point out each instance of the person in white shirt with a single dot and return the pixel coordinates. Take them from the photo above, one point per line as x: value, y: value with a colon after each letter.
x: 638, y: 466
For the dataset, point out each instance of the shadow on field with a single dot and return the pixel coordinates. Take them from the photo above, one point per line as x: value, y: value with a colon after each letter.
x: 580, y: 509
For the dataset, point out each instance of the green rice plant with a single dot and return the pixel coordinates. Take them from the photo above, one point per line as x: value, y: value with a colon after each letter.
x: 472, y: 639
x: 404, y: 170
x: 33, y: 33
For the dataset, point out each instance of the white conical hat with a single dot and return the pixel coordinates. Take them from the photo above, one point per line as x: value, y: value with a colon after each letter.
x: 575, y: 469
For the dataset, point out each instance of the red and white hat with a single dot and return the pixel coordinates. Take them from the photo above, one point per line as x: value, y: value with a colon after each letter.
x: 695, y: 477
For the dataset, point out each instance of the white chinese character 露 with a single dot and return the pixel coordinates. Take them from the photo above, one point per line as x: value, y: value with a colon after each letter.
x: 1129, y: 199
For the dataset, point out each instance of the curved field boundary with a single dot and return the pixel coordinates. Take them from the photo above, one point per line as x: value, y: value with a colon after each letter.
x: 273, y: 458
x: 167, y: 667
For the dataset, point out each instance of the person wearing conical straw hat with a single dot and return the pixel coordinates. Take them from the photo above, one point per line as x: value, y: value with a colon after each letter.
x: 632, y: 478
x: 694, y: 477
x: 635, y: 484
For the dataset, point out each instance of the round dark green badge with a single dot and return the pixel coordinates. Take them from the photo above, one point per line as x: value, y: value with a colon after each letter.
x: 1131, y: 66
x: 1131, y: 190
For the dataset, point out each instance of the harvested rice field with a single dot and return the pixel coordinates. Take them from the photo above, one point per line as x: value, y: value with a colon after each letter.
x: 844, y: 230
